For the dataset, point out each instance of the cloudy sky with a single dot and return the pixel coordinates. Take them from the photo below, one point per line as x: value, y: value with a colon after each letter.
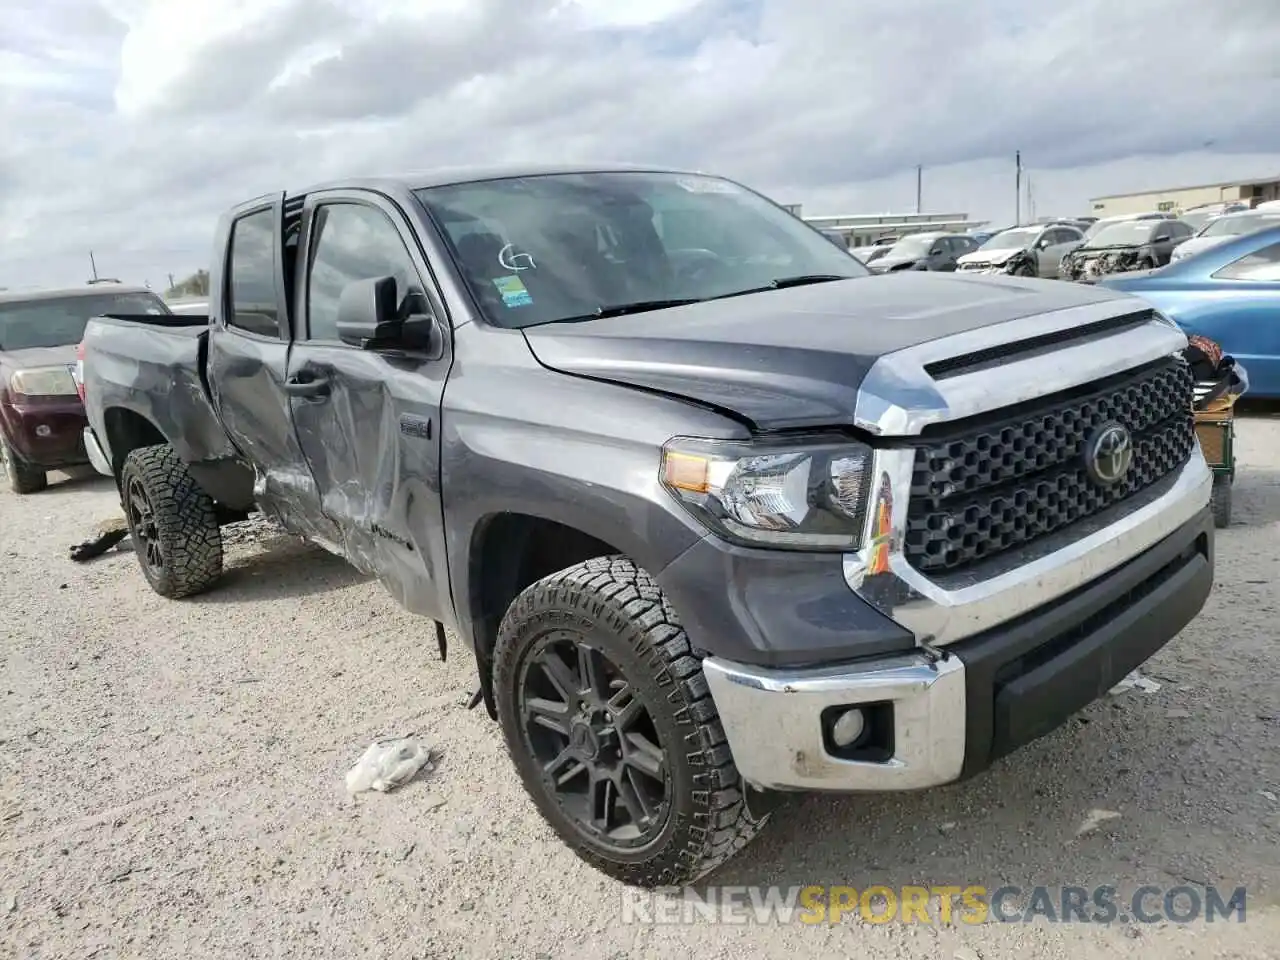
x: 129, y: 124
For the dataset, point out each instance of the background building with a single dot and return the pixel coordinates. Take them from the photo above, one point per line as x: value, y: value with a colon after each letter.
x: 862, y: 229
x: 1176, y: 199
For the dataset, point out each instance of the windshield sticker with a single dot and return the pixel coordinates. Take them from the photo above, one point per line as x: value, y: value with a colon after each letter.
x: 706, y: 185
x: 513, y: 292
x: 510, y: 259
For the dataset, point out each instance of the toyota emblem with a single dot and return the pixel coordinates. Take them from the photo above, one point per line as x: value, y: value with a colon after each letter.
x: 1109, y: 454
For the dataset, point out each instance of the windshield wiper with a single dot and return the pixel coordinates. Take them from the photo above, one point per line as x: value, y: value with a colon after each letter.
x: 640, y: 306
x: 781, y: 283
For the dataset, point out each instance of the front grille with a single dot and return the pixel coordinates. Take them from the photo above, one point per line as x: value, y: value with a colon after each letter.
x: 1003, y: 481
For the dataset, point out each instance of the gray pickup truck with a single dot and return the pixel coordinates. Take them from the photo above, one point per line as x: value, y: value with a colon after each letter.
x: 720, y: 514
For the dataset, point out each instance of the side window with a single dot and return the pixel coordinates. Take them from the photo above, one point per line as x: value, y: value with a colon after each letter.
x: 351, y: 242
x: 1260, y: 266
x: 252, y: 286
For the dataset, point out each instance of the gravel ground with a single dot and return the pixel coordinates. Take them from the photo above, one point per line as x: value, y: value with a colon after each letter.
x: 173, y: 779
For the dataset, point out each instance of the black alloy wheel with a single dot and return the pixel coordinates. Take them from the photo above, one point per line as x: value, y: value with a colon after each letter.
x: 600, y: 752
x: 141, y: 517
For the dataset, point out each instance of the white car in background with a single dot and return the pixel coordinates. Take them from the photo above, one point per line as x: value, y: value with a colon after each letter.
x: 1034, y: 251
x: 1221, y: 229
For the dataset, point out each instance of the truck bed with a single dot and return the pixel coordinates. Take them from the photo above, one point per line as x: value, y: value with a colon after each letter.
x: 153, y: 366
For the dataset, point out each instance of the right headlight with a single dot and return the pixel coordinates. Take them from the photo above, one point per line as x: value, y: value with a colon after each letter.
x: 802, y: 494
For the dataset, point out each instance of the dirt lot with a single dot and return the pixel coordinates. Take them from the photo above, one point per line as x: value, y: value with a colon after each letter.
x: 173, y: 779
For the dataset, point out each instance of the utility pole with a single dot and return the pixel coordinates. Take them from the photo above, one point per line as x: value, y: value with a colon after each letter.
x: 919, y: 187
x: 93, y: 265
x: 1017, y: 190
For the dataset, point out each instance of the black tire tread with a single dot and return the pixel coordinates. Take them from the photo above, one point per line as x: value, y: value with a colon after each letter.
x: 23, y: 477
x: 186, y: 519
x: 1221, y: 501
x: 658, y: 637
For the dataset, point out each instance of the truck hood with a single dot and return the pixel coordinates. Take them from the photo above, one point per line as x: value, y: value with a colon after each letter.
x: 794, y: 357
x: 38, y: 357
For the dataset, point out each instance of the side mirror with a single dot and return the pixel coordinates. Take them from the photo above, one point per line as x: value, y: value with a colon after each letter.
x: 370, y: 316
x: 935, y: 252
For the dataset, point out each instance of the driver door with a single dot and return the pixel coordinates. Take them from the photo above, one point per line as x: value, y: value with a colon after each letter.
x: 368, y: 420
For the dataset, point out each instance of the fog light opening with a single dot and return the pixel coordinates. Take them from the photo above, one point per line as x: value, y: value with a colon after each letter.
x: 848, y: 728
x: 859, y: 731
x: 44, y: 430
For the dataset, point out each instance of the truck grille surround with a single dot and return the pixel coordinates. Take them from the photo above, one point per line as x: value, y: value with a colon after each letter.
x: 989, y: 484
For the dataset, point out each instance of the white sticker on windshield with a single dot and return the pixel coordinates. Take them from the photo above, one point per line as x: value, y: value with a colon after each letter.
x: 706, y: 185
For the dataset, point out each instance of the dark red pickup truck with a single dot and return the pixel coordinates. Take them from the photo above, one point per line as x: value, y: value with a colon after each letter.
x: 41, y: 415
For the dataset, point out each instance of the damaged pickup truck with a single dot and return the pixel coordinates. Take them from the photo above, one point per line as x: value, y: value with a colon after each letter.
x: 720, y: 514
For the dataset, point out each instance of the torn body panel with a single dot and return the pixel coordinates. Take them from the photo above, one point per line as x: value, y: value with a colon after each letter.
x: 1088, y: 264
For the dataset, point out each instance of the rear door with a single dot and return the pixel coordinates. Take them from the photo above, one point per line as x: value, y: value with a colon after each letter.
x: 370, y: 427
x: 249, y: 339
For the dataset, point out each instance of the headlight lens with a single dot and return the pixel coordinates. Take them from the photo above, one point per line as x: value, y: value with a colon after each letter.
x: 795, y: 495
x: 44, y: 382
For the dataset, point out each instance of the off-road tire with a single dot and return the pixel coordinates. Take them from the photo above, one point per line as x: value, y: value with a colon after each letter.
x: 622, y: 612
x: 1221, y: 501
x: 22, y: 476
x: 185, y: 519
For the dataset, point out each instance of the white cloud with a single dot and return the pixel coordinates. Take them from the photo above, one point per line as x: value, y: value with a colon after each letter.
x: 130, y: 125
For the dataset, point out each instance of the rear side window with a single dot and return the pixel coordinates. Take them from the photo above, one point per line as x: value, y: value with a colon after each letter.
x: 252, y: 288
x: 1261, y: 265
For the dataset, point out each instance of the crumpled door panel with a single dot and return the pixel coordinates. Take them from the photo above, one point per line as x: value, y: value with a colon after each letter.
x: 372, y: 443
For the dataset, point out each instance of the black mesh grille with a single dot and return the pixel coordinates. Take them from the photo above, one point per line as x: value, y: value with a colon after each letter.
x: 983, y: 490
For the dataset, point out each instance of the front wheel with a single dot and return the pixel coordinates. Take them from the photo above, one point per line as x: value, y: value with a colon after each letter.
x: 1024, y: 270
x: 173, y: 523
x: 608, y: 720
x: 22, y: 476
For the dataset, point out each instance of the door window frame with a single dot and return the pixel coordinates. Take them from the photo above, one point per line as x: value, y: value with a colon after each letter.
x: 408, y: 238
x: 274, y: 206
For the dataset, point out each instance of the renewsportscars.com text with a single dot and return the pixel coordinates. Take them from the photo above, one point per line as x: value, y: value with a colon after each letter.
x: 944, y: 905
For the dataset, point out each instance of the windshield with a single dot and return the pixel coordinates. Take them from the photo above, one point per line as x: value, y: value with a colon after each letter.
x: 60, y: 321
x: 1011, y: 240
x: 1128, y: 233
x: 1240, y: 224
x: 564, y: 246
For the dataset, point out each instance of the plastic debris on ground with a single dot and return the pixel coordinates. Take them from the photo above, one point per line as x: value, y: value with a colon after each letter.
x: 388, y: 764
x: 1136, y: 681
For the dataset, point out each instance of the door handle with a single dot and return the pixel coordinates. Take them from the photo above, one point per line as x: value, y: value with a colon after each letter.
x: 304, y: 386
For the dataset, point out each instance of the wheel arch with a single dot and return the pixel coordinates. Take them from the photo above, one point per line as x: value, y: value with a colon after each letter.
x: 509, y: 551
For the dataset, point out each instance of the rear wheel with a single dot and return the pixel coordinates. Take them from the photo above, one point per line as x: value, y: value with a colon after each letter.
x: 22, y: 476
x: 173, y: 523
x: 609, y: 723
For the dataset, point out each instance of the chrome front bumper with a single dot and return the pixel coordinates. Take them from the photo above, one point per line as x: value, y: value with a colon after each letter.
x: 772, y: 718
x: 96, y: 456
